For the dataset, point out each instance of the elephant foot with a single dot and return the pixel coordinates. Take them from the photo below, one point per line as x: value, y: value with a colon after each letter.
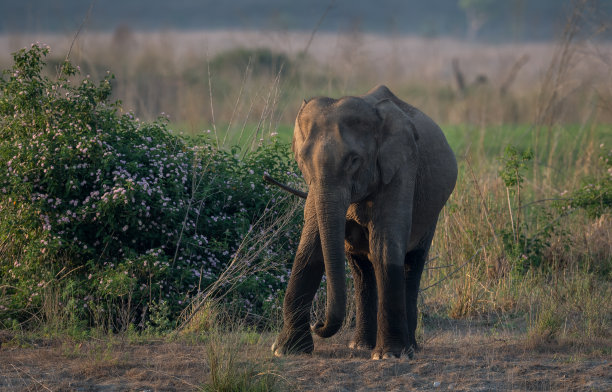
x: 360, y: 342
x: 406, y: 353
x: 292, y: 343
x: 354, y: 345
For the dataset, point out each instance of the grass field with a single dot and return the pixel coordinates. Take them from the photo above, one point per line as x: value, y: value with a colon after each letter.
x: 516, y: 295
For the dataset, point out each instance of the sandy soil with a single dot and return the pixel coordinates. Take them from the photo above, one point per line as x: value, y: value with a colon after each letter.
x: 460, y: 359
x: 477, y: 363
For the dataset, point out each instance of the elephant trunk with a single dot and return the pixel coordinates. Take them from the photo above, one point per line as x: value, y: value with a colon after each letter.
x: 331, y: 216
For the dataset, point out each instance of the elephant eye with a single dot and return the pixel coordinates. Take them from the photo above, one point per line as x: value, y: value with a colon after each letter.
x: 353, y: 162
x: 352, y: 122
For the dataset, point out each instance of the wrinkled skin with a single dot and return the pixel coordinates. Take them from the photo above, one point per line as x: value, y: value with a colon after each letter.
x: 379, y: 171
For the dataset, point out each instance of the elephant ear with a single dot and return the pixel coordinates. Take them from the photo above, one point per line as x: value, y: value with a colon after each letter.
x: 397, y: 140
x: 298, y: 133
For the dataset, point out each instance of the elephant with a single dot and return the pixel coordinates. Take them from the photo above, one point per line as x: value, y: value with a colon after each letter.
x: 379, y: 171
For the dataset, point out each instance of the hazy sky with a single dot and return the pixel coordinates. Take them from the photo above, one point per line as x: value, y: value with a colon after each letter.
x: 496, y: 20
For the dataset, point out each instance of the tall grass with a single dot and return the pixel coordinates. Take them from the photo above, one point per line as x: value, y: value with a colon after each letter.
x: 175, y: 73
x: 237, y: 355
x: 555, y: 269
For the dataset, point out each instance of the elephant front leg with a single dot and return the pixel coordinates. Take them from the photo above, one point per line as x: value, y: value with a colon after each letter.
x: 387, y: 255
x: 392, y: 336
x: 306, y: 274
x: 365, y: 301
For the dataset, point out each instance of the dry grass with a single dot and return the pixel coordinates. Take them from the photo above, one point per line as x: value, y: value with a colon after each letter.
x: 465, y: 355
x: 568, y: 297
x: 168, y: 72
x: 220, y: 362
x: 104, y: 364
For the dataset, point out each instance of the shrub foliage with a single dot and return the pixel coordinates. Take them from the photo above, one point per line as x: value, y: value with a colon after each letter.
x: 99, y: 209
x: 595, y: 195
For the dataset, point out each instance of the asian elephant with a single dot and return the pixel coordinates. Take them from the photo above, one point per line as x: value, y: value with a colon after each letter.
x: 379, y: 172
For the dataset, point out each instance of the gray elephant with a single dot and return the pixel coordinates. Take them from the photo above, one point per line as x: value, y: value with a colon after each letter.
x: 379, y: 172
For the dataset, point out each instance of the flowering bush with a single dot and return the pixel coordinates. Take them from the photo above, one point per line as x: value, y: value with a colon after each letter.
x: 103, y: 217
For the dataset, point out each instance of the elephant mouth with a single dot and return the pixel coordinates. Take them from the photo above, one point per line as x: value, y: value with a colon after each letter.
x: 356, y: 238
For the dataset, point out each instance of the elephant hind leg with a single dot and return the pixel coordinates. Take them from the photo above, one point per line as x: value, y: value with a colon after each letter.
x: 365, y: 301
x: 413, y: 269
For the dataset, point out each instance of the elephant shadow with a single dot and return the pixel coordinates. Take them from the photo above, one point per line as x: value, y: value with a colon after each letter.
x: 340, y: 349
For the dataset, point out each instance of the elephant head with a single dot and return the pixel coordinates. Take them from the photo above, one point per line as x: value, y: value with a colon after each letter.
x: 347, y: 149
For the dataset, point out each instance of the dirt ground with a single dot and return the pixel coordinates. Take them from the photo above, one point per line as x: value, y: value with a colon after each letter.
x: 452, y: 358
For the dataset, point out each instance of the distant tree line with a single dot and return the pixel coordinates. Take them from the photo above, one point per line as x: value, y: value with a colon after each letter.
x: 485, y: 20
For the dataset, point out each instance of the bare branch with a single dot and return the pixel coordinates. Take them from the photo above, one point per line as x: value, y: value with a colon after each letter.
x: 287, y: 188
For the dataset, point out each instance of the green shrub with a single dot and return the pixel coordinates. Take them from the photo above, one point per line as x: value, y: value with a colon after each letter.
x: 595, y: 194
x: 524, y: 251
x: 120, y: 215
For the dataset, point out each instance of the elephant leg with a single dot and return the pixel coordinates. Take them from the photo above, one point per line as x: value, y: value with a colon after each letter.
x: 365, y: 301
x: 413, y: 269
x: 306, y: 274
x: 392, y: 333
